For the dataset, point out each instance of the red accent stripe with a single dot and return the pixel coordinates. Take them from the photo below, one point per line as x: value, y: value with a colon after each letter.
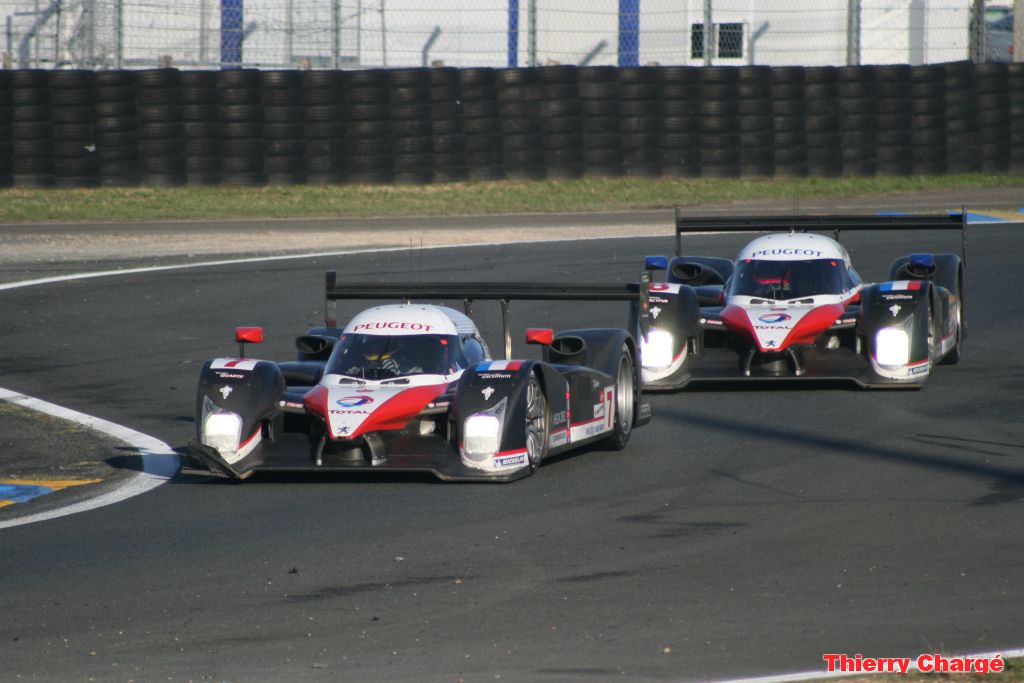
x: 315, y: 401
x: 813, y: 324
x: 514, y: 365
x: 399, y: 409
x: 736, y: 319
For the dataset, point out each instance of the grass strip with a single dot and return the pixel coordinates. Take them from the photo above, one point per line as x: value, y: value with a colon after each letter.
x: 22, y: 205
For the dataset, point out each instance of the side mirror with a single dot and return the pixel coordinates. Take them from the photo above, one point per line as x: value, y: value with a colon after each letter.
x: 247, y: 335
x: 656, y: 263
x: 540, y: 335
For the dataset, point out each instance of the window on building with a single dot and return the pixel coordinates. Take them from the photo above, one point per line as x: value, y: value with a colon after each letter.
x: 730, y: 41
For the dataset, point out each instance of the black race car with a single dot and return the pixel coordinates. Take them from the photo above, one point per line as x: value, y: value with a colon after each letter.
x: 791, y: 306
x: 413, y: 387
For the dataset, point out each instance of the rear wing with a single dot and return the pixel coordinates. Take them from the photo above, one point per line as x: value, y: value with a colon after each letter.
x: 836, y: 223
x: 636, y: 294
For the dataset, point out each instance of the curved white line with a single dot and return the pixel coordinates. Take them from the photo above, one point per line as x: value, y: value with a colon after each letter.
x: 159, y: 460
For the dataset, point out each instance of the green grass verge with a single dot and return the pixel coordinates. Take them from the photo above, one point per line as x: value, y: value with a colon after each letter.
x: 470, y: 198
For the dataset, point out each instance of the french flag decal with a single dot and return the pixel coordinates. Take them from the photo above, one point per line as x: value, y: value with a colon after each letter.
x: 494, y: 365
x: 901, y: 285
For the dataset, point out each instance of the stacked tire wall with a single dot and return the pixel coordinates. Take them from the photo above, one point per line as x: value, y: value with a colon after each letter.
x: 245, y: 127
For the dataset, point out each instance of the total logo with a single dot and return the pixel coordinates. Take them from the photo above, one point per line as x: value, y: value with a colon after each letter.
x: 775, y: 318
x: 353, y: 401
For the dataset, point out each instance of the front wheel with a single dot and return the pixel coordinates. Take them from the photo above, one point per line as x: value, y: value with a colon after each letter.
x: 625, y: 401
x: 536, y: 423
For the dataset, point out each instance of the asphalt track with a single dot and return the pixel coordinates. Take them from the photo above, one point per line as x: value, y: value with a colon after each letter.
x: 744, y: 532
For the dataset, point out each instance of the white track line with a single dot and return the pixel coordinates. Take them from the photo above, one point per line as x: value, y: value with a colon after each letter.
x: 159, y: 460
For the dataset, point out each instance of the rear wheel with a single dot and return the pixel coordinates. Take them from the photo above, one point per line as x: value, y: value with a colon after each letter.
x: 953, y: 357
x: 625, y: 401
x: 536, y: 423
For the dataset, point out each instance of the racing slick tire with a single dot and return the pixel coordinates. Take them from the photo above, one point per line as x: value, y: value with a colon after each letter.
x: 536, y: 423
x: 954, y: 355
x: 625, y: 401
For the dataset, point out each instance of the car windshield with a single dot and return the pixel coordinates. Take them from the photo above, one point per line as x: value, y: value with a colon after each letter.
x: 375, y: 357
x: 788, y: 279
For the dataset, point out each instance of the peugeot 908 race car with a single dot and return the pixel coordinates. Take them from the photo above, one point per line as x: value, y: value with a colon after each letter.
x: 791, y: 306
x: 413, y: 387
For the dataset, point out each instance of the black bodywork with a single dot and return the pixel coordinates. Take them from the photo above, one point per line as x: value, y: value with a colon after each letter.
x: 933, y: 309
x: 576, y: 374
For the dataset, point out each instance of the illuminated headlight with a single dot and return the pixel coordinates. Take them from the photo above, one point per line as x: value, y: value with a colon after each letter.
x: 656, y: 349
x: 481, y: 436
x: 223, y: 430
x: 892, y: 347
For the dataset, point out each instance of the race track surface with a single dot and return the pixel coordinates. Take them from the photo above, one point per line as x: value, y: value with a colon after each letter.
x: 746, y: 531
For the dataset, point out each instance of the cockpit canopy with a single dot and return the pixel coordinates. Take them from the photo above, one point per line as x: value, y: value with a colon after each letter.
x: 376, y: 357
x: 786, y: 280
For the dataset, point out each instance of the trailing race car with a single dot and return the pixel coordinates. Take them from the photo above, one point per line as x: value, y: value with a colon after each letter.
x: 413, y: 387
x: 792, y: 306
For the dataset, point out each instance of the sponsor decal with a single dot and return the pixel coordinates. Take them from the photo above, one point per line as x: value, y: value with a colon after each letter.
x: 897, y: 297
x: 927, y: 663
x: 510, y: 460
x: 920, y: 369
x: 291, y: 404
x: 353, y: 401
x: 657, y: 300
x: 560, y: 417
x: 230, y: 375
x: 487, y: 392
x: 418, y: 327
x: 775, y: 318
x: 599, y: 410
x: 787, y: 251
x: 895, y: 310
x: 225, y: 392
x: 770, y: 344
x: 656, y: 311
x: 341, y: 431
x: 351, y: 412
x: 495, y: 375
x: 900, y: 285
x: 558, y: 438
x: 658, y: 287
x: 509, y: 365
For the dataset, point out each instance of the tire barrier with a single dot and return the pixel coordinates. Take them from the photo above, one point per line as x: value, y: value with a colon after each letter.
x: 756, y: 122
x: 821, y: 102
x: 164, y: 127
x: 718, y: 110
x: 117, y: 129
x: 6, y: 131
x: 680, y: 121
x: 600, y: 121
x: 1015, y: 85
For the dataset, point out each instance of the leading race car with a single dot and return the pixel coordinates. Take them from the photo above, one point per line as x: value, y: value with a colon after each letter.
x: 413, y: 387
x: 792, y: 307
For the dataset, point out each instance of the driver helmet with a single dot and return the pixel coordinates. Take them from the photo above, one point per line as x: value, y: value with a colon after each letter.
x: 771, y: 273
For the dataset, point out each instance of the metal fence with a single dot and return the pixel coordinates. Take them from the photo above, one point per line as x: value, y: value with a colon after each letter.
x: 465, y: 33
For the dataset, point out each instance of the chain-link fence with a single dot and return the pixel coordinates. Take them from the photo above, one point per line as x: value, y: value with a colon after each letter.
x: 465, y: 33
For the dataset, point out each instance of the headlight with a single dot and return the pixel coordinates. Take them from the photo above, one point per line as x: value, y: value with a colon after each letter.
x: 481, y: 436
x: 892, y: 347
x: 223, y: 430
x: 656, y: 350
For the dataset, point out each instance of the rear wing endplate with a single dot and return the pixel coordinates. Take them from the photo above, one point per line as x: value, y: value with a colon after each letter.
x: 836, y: 223
x: 636, y: 294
